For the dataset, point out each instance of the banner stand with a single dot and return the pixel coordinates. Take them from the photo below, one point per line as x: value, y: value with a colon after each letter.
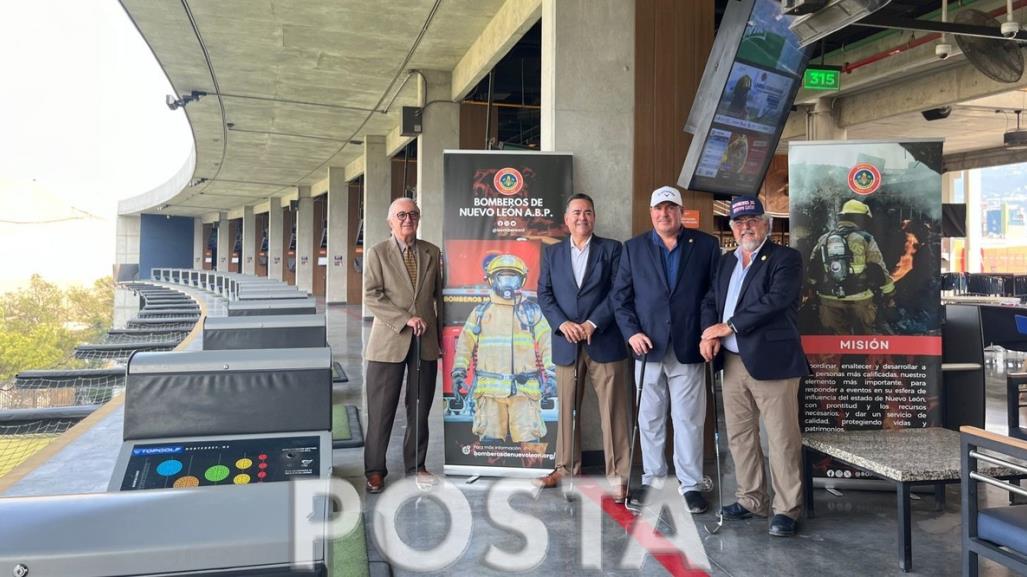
x: 500, y: 407
x: 866, y: 216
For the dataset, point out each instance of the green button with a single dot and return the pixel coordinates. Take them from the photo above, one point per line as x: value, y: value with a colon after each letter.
x: 217, y: 473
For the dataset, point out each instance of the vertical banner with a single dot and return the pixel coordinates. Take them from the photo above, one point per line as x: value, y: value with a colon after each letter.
x: 499, y: 381
x: 867, y: 218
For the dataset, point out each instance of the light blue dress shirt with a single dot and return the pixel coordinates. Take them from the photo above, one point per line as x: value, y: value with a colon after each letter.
x: 734, y: 289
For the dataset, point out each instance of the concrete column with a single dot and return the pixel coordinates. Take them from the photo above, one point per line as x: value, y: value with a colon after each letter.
x: 377, y: 194
x: 588, y: 108
x: 126, y: 254
x: 377, y: 190
x: 249, y: 236
x: 440, y: 130
x: 224, y: 243
x: 274, y: 238
x: 824, y: 123
x: 198, y: 244
x: 305, y: 240
x: 972, y: 190
x: 588, y: 100
x: 340, y: 237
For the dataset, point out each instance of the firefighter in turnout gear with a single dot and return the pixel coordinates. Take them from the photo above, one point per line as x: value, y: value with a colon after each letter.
x: 850, y: 277
x: 506, y: 344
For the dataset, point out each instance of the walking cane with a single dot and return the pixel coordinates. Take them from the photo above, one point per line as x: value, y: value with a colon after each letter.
x: 634, y: 430
x: 574, y: 424
x: 716, y: 446
x: 417, y: 416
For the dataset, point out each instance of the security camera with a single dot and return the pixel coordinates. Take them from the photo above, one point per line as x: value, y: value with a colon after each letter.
x: 943, y: 51
x: 172, y: 102
x: 1010, y: 29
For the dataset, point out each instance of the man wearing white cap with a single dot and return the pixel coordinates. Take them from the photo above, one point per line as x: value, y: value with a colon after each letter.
x: 662, y: 279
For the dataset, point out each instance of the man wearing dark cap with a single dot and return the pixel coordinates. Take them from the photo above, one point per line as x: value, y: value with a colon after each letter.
x: 662, y: 278
x: 749, y: 317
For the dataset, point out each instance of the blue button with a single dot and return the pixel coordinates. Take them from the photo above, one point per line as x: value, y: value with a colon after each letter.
x: 169, y: 468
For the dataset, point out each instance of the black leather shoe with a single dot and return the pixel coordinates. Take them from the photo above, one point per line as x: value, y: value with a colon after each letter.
x: 636, y: 500
x: 736, y: 512
x: 782, y: 526
x: 695, y: 503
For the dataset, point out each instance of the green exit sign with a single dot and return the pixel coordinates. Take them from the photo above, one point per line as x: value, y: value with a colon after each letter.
x: 822, y: 79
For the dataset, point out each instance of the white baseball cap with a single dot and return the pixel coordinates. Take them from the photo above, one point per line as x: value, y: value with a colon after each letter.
x: 665, y: 194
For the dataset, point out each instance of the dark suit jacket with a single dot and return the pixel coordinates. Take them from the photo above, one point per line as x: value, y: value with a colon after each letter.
x: 765, y: 316
x: 562, y: 300
x: 643, y: 301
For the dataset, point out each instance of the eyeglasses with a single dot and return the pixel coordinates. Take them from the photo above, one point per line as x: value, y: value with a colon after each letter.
x: 747, y: 222
x: 412, y: 215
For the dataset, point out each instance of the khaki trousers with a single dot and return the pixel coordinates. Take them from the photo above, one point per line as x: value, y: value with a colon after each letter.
x: 745, y: 400
x: 614, y: 412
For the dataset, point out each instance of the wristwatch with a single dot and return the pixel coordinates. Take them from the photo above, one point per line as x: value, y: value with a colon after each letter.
x: 731, y: 324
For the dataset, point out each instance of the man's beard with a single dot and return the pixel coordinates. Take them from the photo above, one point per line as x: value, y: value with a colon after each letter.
x: 750, y: 244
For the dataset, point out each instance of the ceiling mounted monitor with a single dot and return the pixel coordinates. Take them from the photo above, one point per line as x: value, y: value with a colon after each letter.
x: 834, y: 16
x: 744, y: 99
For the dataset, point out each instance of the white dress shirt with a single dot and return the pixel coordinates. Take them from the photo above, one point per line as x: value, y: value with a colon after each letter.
x: 579, y: 259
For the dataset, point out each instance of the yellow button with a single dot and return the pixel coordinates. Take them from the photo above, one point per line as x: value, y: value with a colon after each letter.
x: 186, y: 482
x: 243, y: 464
x: 241, y: 479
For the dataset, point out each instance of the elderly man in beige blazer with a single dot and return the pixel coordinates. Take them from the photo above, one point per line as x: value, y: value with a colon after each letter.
x: 403, y: 290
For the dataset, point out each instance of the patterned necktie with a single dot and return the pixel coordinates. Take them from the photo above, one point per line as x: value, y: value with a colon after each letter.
x: 410, y: 261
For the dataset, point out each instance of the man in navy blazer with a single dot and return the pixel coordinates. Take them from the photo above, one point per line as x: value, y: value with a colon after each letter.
x: 750, y: 319
x: 663, y: 276
x: 573, y: 291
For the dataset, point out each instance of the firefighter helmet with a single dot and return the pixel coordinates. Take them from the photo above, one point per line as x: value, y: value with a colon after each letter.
x: 506, y: 273
x: 856, y: 207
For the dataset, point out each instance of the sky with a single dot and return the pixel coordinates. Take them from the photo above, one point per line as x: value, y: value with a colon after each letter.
x: 83, y: 124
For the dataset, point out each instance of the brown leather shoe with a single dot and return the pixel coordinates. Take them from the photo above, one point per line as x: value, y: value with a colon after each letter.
x: 550, y: 481
x: 375, y: 483
x: 620, y: 494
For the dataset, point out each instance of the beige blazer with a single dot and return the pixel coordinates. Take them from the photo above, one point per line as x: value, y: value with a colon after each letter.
x: 392, y: 301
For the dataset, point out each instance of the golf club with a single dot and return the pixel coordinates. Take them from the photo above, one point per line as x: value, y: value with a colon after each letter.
x: 716, y: 446
x: 574, y: 425
x: 634, y: 433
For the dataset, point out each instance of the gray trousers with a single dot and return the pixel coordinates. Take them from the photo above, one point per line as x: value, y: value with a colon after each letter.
x: 384, y: 382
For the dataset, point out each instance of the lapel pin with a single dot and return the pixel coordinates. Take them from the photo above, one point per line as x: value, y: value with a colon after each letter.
x: 764, y: 257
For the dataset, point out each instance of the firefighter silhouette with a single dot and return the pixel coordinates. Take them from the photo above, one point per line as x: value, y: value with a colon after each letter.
x: 849, y: 276
x: 505, y: 344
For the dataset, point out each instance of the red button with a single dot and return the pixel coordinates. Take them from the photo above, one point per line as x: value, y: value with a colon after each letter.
x: 262, y: 466
x: 262, y: 457
x: 261, y: 475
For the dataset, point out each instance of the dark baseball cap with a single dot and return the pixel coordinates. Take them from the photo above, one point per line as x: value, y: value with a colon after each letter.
x: 746, y: 206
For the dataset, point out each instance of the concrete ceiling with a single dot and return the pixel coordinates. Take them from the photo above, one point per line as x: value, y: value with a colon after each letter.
x: 294, y: 85
x: 972, y: 125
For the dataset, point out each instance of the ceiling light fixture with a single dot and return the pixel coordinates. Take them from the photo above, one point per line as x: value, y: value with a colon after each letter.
x: 1016, y: 139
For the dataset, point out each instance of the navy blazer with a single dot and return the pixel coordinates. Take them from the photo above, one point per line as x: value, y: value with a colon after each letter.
x: 643, y: 301
x: 765, y: 316
x: 561, y: 299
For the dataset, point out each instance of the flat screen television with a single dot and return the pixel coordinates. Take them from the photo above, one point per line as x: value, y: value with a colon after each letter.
x: 746, y: 93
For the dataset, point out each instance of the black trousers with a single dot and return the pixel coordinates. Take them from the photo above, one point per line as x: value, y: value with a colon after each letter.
x: 384, y: 383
